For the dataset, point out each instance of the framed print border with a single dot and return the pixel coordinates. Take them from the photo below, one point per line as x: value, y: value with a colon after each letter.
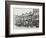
x: 7, y: 18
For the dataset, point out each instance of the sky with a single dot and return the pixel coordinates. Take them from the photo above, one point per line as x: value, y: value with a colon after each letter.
x: 19, y: 11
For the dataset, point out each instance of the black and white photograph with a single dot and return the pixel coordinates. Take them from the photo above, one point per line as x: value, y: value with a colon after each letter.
x: 24, y: 18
